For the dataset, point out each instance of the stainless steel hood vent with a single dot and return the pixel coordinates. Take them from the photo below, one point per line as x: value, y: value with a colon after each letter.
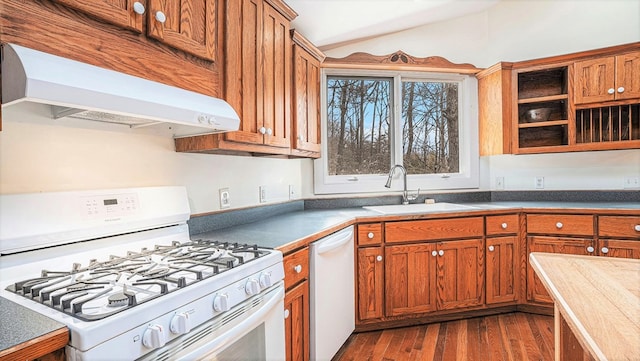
x: 82, y: 91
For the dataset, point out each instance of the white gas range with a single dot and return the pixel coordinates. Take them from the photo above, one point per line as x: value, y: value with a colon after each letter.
x: 118, y: 268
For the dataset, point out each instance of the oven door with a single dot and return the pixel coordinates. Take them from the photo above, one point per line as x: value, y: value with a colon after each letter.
x: 253, y: 330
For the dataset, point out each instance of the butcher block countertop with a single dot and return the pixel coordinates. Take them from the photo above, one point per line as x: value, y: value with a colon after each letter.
x: 599, y: 298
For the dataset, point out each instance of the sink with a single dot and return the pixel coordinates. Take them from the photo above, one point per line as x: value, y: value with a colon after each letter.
x: 419, y: 208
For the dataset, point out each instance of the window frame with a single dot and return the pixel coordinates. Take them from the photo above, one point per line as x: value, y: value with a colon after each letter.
x: 468, y: 176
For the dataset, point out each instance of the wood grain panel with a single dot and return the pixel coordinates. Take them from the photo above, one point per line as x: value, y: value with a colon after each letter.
x: 502, y: 224
x: 433, y: 229
x: 38, y: 347
x: 627, y: 70
x: 619, y: 248
x: 369, y: 234
x: 291, y: 262
x: 619, y: 226
x: 563, y: 224
x: 370, y: 286
x: 502, y: 269
x: 116, y: 12
x: 460, y: 269
x: 296, y: 301
x: 494, y: 111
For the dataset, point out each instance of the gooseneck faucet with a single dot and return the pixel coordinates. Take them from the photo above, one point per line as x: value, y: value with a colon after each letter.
x: 405, y: 195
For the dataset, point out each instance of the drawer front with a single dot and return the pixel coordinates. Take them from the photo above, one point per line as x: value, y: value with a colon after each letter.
x: 434, y: 229
x: 296, y: 267
x: 619, y: 226
x: 567, y: 224
x: 505, y: 224
x: 370, y: 233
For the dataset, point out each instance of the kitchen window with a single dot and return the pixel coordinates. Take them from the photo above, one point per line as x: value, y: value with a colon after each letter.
x: 372, y: 120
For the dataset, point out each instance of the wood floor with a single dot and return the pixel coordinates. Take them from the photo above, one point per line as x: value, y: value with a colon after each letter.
x: 512, y: 336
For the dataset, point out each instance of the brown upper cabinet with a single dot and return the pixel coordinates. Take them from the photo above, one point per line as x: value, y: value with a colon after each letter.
x: 257, y: 80
x: 188, y: 25
x: 608, y: 78
x: 575, y: 102
x: 306, y: 97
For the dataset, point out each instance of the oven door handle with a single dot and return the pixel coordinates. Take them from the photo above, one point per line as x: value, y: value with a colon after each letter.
x: 239, y: 330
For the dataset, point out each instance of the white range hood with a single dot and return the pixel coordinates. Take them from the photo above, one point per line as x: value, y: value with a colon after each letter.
x: 81, y: 92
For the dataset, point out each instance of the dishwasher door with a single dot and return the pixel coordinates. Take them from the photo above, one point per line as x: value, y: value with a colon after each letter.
x: 332, y: 294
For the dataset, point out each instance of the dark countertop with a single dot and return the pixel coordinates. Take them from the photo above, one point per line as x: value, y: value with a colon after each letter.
x: 19, y: 324
x: 293, y: 230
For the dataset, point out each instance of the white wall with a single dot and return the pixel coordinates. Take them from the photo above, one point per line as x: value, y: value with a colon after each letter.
x: 36, y: 156
x: 515, y: 30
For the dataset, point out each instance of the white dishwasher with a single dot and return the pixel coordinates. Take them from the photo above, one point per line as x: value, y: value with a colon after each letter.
x: 332, y: 299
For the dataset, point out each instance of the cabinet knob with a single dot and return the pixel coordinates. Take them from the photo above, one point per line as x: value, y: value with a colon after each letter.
x: 590, y: 249
x: 262, y: 130
x: 604, y: 250
x: 621, y: 89
x: 286, y: 313
x: 441, y: 253
x: 298, y: 268
x: 559, y: 225
x: 491, y: 248
x: 269, y: 131
x: 370, y: 235
x: 504, y: 225
x: 434, y: 253
x: 300, y: 138
x: 160, y: 17
x: 611, y: 91
x: 637, y: 227
x: 379, y: 258
x: 138, y: 8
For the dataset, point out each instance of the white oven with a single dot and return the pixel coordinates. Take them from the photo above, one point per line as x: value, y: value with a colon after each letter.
x: 129, y: 282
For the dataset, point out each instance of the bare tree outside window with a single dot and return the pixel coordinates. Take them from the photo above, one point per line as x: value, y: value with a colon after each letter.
x: 359, y: 119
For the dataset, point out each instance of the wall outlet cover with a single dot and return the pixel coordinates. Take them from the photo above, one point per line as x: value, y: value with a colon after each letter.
x: 499, y: 182
x: 539, y: 184
x: 225, y: 198
x: 262, y: 194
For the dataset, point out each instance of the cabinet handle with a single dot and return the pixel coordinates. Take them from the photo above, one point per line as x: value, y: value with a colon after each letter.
x: 378, y: 258
x: 637, y: 227
x: 160, y: 17
x: 269, y: 131
x: 434, y: 253
x: 300, y: 138
x: 504, y: 226
x: 370, y: 235
x: 262, y: 130
x: 611, y: 91
x: 604, y: 250
x: 441, y: 253
x: 138, y: 8
x: 491, y: 248
x: 590, y: 249
x: 298, y: 268
x: 559, y: 225
x: 286, y: 313
x: 621, y: 89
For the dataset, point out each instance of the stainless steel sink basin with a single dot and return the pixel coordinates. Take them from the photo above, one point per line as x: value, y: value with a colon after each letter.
x: 419, y: 208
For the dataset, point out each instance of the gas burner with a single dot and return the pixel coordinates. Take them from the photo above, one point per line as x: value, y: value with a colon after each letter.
x: 124, y: 298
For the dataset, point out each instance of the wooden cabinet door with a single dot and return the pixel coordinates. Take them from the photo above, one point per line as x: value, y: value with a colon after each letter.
x: 115, y: 12
x: 628, y: 75
x: 370, y: 283
x: 276, y: 78
x: 619, y: 248
x: 188, y: 25
x: 410, y: 279
x: 296, y: 322
x: 306, y: 100
x: 536, y: 291
x: 502, y: 267
x: 593, y: 80
x: 460, y: 274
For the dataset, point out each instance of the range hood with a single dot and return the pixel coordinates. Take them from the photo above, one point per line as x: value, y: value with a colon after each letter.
x: 81, y: 91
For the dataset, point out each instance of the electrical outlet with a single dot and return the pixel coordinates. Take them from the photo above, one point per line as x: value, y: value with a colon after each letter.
x: 225, y: 198
x: 292, y: 191
x: 499, y: 182
x: 539, y: 182
x: 263, y: 194
x: 631, y: 182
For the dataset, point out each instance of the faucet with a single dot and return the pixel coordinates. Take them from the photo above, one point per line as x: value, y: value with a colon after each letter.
x: 405, y: 195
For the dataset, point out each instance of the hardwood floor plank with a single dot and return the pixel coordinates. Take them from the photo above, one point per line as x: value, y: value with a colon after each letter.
x: 511, y: 336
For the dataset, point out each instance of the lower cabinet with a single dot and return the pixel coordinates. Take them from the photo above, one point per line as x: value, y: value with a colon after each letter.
x: 370, y: 286
x: 296, y: 305
x: 502, y: 268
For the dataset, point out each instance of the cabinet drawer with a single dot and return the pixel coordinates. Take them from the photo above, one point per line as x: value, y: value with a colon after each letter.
x: 369, y: 234
x: 569, y: 224
x: 504, y: 224
x: 296, y: 267
x: 434, y: 229
x: 619, y: 226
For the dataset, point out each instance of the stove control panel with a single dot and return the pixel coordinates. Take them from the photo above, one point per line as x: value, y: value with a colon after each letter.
x: 110, y: 206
